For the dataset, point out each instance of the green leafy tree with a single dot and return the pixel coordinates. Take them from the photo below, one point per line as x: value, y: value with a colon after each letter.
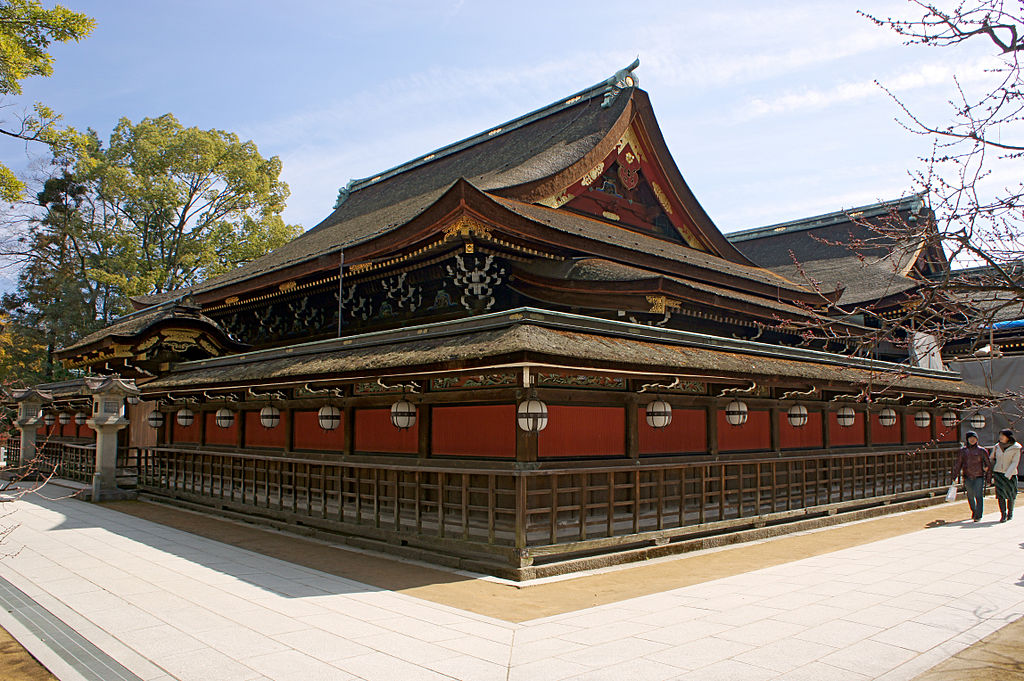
x: 186, y: 203
x: 160, y: 207
x: 26, y: 32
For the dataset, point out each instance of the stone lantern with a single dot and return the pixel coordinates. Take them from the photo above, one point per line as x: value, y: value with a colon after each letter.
x: 108, y: 397
x: 30, y: 415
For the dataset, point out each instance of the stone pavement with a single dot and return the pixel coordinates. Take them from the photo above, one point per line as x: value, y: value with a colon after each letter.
x: 167, y: 604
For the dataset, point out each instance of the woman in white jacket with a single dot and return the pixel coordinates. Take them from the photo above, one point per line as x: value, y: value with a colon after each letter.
x: 1006, y: 455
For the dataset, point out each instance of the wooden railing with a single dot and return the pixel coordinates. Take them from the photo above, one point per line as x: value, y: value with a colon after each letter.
x: 13, y: 451
x: 65, y: 460
x: 523, y: 515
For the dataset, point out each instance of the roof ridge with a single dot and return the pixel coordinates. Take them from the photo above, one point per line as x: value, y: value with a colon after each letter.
x: 610, y: 87
x: 826, y: 218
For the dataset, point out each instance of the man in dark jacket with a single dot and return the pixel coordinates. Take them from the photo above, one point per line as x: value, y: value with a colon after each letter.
x: 976, y: 467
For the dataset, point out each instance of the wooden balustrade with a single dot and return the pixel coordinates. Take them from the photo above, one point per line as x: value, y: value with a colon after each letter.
x: 65, y: 460
x: 522, y: 515
x: 13, y: 450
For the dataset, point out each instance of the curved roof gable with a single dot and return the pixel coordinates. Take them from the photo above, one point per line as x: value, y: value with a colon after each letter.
x: 523, y: 150
x: 528, y: 160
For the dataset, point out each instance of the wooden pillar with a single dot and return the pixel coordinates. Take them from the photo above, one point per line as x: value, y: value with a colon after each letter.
x: 712, y: 416
x: 901, y: 419
x: 201, y: 415
x: 826, y: 428
x: 425, y: 430
x: 240, y: 431
x: 633, y: 426
x: 289, y: 428
x: 350, y: 429
x: 526, y: 445
x: 774, y: 428
x: 867, y: 427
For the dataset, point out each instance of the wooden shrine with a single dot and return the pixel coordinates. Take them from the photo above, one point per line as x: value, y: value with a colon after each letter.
x: 522, y: 349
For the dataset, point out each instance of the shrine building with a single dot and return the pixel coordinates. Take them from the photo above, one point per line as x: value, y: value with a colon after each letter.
x: 527, y: 352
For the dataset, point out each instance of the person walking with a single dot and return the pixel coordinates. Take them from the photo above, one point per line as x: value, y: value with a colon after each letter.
x: 1005, y: 458
x: 976, y: 468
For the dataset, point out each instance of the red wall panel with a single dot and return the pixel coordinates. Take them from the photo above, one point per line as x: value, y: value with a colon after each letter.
x: 215, y: 435
x: 258, y: 436
x: 915, y: 434
x: 686, y: 433
x: 884, y: 435
x: 807, y: 436
x: 190, y: 434
x: 474, y: 431
x: 48, y: 431
x: 950, y: 434
x: 583, y: 431
x: 753, y: 435
x: 375, y: 433
x: 309, y: 435
x: 846, y: 436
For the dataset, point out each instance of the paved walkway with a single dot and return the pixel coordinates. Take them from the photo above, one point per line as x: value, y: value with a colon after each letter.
x: 167, y: 604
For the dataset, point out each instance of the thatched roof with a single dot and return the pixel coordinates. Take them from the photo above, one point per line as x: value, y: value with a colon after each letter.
x: 533, y: 335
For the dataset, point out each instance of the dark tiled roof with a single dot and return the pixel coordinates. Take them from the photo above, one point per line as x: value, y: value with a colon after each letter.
x: 527, y: 149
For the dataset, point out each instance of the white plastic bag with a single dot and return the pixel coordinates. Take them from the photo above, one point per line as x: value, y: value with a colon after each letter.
x: 951, y: 494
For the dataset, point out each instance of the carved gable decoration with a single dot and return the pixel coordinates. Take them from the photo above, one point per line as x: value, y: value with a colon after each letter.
x: 139, y: 344
x: 627, y: 188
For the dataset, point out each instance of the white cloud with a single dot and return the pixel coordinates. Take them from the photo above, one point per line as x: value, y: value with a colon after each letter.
x: 922, y: 76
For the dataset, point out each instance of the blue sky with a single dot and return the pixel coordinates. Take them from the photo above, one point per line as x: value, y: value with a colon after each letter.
x: 770, y: 108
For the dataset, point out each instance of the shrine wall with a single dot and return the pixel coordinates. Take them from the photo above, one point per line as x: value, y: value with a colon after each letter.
x: 589, y: 428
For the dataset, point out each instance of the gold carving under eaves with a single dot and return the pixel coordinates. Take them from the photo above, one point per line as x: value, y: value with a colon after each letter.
x: 558, y: 200
x: 594, y: 173
x: 662, y: 304
x: 466, y: 226
x: 629, y: 139
x: 659, y: 194
x: 180, y: 335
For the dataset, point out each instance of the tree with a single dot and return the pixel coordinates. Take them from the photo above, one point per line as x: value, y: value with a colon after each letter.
x: 972, y: 182
x: 159, y: 208
x: 979, y: 221
x: 187, y: 204
x: 26, y: 31
x: 976, y: 219
x: 56, y: 299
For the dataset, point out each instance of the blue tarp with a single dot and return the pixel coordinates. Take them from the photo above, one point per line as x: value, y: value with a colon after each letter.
x: 1003, y: 326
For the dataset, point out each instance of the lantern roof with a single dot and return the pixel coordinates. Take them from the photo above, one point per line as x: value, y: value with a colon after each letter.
x: 32, y: 394
x: 111, y: 385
